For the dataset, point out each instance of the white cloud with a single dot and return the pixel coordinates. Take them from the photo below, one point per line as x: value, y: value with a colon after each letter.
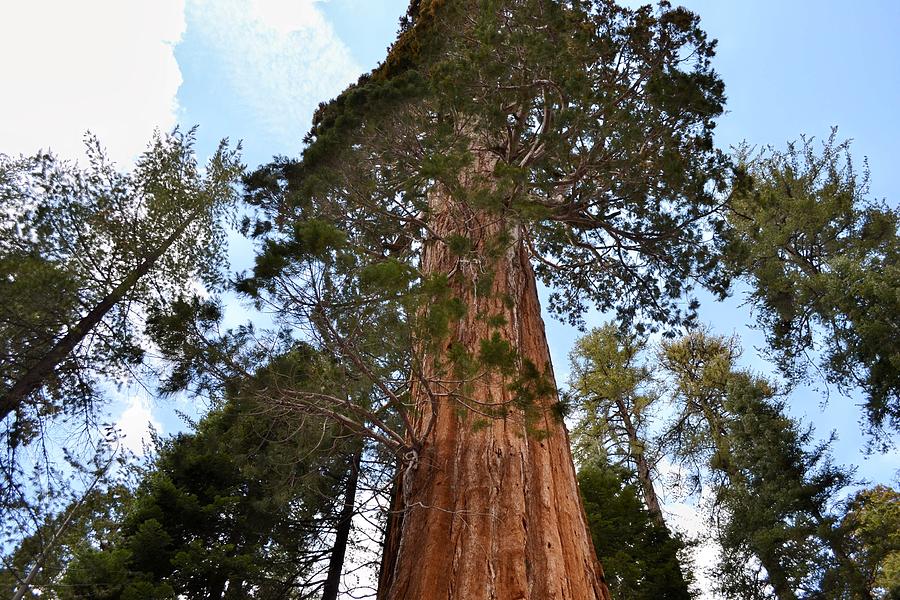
x: 685, y: 516
x: 135, y: 423
x: 280, y: 58
x: 103, y: 65
x: 285, y: 17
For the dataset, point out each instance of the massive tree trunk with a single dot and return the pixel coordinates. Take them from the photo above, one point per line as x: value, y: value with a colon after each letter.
x: 489, y: 507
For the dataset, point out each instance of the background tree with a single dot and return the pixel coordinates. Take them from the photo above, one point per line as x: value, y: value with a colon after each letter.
x: 46, y: 527
x: 641, y: 558
x: 84, y: 251
x: 773, y: 493
x: 870, y: 528
x: 248, y: 506
x: 822, y: 262
x: 577, y: 135
x: 614, y: 394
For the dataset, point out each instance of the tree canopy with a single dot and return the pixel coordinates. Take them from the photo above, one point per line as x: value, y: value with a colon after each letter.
x: 500, y: 144
x: 244, y: 507
x: 599, y: 119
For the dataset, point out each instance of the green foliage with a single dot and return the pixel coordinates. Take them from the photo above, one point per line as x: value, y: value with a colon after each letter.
x: 317, y: 237
x: 458, y: 244
x: 822, y: 261
x: 772, y: 489
x: 440, y: 315
x: 387, y: 276
x: 229, y: 511
x: 871, y: 527
x: 599, y: 118
x: 92, y: 521
x: 639, y: 556
x: 107, y: 576
x: 616, y: 396
x: 497, y: 353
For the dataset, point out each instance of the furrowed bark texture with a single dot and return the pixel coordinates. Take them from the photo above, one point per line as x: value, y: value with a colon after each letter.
x: 490, y: 511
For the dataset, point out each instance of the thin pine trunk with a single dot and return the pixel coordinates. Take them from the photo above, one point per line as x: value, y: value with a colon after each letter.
x: 36, y: 375
x: 651, y: 500
x: 345, y: 521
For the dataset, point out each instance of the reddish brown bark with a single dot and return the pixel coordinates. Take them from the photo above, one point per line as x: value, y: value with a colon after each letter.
x: 490, y: 511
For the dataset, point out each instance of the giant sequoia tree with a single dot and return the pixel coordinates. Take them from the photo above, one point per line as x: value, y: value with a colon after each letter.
x: 501, y: 142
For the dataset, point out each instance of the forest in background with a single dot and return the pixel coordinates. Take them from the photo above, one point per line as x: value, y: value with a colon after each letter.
x: 603, y: 175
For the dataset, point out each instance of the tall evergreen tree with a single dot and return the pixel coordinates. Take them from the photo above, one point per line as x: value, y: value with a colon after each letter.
x: 640, y: 556
x: 573, y: 135
x: 248, y: 506
x: 773, y: 491
x: 615, y: 395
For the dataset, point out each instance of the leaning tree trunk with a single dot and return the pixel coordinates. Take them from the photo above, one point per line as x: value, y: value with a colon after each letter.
x: 489, y: 508
x: 38, y: 373
x: 635, y: 449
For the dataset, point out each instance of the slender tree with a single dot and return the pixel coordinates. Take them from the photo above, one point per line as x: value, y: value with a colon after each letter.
x: 82, y: 251
x: 615, y: 395
x: 499, y: 142
x: 773, y: 490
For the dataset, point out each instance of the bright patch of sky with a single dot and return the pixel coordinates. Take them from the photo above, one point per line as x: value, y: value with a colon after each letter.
x: 137, y: 424
x: 104, y: 65
x: 256, y: 69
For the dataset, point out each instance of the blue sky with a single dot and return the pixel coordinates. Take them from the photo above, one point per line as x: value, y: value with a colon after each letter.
x: 256, y: 69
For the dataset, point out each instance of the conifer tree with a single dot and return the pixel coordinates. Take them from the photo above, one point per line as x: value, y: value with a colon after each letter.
x: 500, y: 142
x: 640, y: 556
x: 615, y: 395
x: 774, y: 492
x: 83, y: 251
x: 253, y: 504
x: 822, y: 260
x: 871, y: 530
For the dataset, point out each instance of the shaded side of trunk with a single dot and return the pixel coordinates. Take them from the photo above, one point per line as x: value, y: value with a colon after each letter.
x: 339, y: 551
x: 391, y: 545
x: 491, y: 508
